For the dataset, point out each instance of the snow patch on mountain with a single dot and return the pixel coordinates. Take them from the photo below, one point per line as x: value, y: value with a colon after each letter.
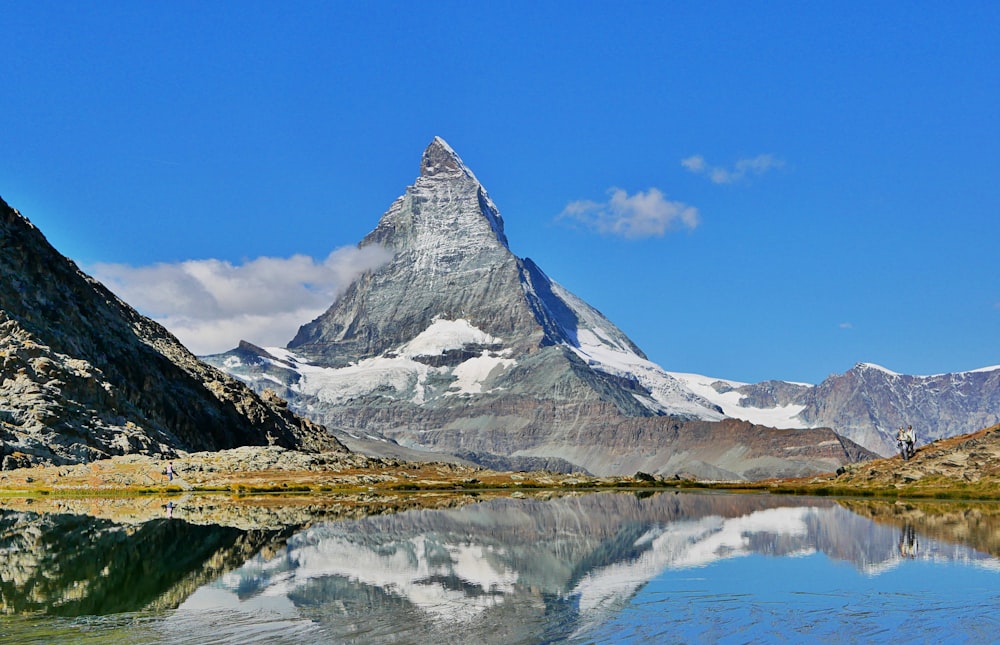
x: 993, y: 368
x: 471, y: 374
x: 396, y: 373
x: 725, y: 394
x: 444, y: 335
x: 668, y: 395
x: 878, y: 368
x: 607, y: 349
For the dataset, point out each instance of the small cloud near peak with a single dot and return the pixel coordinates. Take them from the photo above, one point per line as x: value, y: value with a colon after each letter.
x: 641, y: 215
x: 742, y: 169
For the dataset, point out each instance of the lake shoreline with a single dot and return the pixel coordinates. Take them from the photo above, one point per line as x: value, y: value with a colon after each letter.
x: 964, y: 468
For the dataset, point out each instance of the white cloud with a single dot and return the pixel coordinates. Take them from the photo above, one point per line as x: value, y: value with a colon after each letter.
x: 846, y: 325
x: 644, y: 214
x: 743, y: 168
x: 210, y: 305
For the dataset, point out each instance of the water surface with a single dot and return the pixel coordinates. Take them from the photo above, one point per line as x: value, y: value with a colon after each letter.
x: 666, y: 567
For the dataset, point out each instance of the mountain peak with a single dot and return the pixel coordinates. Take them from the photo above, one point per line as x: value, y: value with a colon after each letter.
x: 875, y: 368
x: 441, y: 159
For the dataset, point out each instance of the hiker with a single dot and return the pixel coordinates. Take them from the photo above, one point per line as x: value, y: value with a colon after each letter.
x: 170, y: 471
x: 904, y: 443
x: 911, y: 441
x: 906, y: 440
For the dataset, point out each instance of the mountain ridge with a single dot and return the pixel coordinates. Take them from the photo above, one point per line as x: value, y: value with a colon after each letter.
x: 867, y: 404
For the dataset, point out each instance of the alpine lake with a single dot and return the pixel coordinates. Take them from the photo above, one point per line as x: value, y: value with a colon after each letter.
x: 665, y: 566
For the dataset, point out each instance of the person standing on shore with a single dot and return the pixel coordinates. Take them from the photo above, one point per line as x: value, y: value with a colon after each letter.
x: 170, y: 471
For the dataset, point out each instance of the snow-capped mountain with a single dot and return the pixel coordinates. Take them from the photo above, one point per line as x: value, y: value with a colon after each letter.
x: 453, y: 285
x: 458, y: 346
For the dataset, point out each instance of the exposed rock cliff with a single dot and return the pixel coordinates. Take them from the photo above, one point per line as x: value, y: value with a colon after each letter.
x: 83, y: 376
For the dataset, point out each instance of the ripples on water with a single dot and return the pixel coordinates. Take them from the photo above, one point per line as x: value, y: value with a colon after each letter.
x: 687, y: 568
x: 812, y: 599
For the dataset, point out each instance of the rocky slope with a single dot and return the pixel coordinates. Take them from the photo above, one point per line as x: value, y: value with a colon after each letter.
x: 962, y: 467
x: 966, y: 462
x: 83, y: 376
x: 456, y: 346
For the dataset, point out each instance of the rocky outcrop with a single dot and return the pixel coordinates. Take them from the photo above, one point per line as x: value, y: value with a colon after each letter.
x: 971, y: 461
x: 83, y: 376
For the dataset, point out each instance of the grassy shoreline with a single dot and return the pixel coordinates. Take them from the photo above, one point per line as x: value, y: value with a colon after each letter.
x: 960, y: 468
x: 297, y: 484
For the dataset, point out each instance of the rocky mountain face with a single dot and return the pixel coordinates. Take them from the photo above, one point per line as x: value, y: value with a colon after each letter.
x: 868, y: 403
x: 456, y: 346
x: 83, y: 376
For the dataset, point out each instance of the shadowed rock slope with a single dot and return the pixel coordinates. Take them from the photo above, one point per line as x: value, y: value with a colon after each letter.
x: 83, y: 376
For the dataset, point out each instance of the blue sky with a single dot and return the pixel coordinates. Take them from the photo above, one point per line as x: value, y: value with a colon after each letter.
x: 837, y: 163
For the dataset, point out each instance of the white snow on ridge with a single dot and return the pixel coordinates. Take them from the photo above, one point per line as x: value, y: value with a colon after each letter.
x: 992, y: 368
x: 670, y: 396
x: 778, y: 417
x: 874, y: 366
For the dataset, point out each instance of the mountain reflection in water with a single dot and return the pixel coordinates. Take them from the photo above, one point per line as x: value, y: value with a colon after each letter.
x: 600, y: 567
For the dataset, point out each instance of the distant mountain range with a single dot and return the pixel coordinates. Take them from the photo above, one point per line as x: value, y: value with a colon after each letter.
x: 83, y: 376
x: 867, y: 404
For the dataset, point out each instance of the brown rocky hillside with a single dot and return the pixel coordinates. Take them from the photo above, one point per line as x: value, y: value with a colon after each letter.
x: 967, y: 466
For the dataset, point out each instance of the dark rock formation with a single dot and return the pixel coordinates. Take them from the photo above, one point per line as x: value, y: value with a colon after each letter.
x: 83, y: 376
